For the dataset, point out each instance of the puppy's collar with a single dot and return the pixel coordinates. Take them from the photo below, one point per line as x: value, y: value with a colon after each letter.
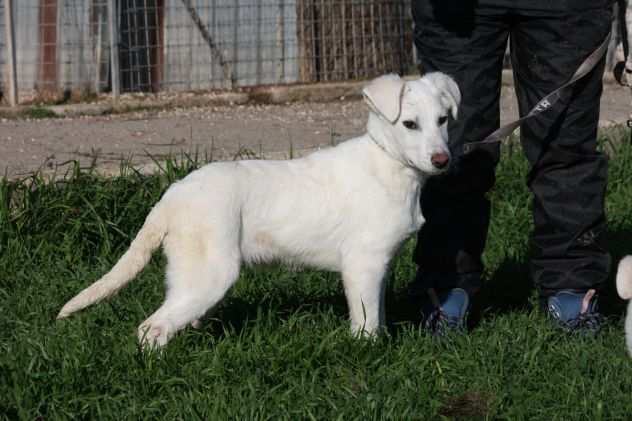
x: 379, y: 145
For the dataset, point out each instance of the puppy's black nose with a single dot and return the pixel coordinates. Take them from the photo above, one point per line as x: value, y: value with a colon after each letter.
x: 440, y: 160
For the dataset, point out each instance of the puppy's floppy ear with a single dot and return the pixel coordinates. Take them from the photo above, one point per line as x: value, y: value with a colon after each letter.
x: 384, y: 96
x: 448, y: 90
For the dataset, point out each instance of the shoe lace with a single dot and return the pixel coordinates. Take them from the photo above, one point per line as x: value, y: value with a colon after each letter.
x: 439, y: 323
x: 589, y: 322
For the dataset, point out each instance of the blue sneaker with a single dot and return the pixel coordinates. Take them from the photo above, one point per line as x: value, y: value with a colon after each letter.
x: 575, y: 312
x: 447, y: 311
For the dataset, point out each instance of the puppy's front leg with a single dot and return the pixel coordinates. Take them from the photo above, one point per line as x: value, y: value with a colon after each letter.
x: 364, y: 288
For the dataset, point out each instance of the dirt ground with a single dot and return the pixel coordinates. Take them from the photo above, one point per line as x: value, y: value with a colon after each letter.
x: 225, y: 132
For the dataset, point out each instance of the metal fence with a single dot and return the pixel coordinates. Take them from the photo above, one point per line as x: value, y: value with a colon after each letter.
x: 64, y: 47
x: 77, y: 47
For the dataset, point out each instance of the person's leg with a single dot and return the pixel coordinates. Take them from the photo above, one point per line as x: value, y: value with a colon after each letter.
x: 468, y: 43
x: 568, y: 174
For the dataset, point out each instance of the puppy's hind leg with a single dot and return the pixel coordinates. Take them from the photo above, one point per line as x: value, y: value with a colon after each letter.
x: 196, y: 281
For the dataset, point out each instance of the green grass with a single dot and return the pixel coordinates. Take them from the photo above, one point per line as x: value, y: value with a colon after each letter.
x: 39, y: 112
x: 278, y: 347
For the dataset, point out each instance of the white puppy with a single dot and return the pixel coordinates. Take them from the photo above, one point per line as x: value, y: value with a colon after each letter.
x: 345, y: 209
x: 626, y: 5
x: 624, y: 288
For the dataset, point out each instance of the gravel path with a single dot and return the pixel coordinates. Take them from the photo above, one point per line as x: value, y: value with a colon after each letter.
x: 226, y: 132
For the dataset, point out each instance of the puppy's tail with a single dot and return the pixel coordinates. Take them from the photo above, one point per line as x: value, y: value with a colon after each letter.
x: 135, y: 258
x: 624, y: 288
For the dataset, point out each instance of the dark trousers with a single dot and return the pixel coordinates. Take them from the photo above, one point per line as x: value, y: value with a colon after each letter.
x: 549, y: 39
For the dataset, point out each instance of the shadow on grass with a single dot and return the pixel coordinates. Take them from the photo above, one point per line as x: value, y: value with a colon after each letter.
x: 512, y: 289
x: 236, y: 313
x: 509, y: 289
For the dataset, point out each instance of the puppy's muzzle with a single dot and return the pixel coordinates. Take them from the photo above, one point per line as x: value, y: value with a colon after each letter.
x: 440, y: 160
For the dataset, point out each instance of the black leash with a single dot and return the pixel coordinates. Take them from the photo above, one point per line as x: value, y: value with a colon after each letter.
x: 545, y: 103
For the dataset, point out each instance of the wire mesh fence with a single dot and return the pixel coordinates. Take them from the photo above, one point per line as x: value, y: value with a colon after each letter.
x: 64, y: 47
x: 58, y: 47
x: 188, y: 44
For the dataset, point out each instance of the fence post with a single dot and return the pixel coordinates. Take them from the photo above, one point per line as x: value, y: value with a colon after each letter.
x: 11, y: 61
x: 99, y: 47
x: 114, y: 49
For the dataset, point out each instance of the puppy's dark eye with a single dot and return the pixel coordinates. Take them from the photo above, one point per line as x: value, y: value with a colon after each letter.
x: 442, y: 120
x: 409, y: 124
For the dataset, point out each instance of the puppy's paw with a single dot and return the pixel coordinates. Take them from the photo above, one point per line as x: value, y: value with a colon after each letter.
x: 153, y: 335
x: 366, y: 332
